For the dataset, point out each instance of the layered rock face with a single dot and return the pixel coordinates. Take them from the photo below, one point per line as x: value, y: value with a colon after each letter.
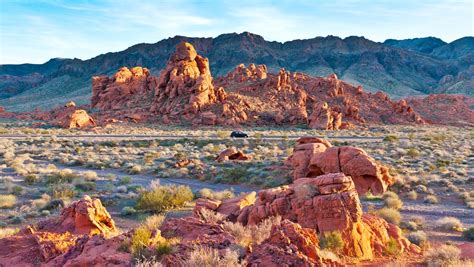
x: 185, y: 85
x: 126, y: 89
x: 56, y: 241
x: 313, y: 157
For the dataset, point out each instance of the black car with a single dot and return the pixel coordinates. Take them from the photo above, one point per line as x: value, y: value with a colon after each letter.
x: 238, y: 134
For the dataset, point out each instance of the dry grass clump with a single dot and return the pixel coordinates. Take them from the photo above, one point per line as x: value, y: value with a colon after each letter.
x: 431, y: 199
x: 7, y: 201
x: 389, y: 214
x: 392, y: 200
x: 209, y: 257
x: 331, y: 241
x: 164, y: 198
x: 218, y: 195
x: 418, y: 238
x: 251, y: 234
x: 154, y: 222
x: 449, y: 224
x: 6, y: 232
x: 413, y: 195
x: 210, y: 216
x: 90, y: 175
x: 445, y: 255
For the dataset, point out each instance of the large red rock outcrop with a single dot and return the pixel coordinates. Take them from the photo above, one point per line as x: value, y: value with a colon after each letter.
x: 185, y: 86
x: 128, y: 88
x: 324, y: 118
x: 42, y: 243
x: 326, y: 203
x: 313, y: 157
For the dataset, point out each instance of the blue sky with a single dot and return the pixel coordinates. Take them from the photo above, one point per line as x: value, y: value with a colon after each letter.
x: 35, y: 31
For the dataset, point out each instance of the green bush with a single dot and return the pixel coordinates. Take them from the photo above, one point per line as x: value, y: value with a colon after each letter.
x: 413, y: 152
x: 469, y: 234
x: 63, y: 176
x: 31, y: 179
x: 125, y: 180
x: 86, y: 186
x: 391, y: 138
x: 392, y: 249
x: 331, y: 241
x: 233, y: 175
x: 140, y: 240
x: 164, y: 198
x: 163, y: 248
x: 62, y: 191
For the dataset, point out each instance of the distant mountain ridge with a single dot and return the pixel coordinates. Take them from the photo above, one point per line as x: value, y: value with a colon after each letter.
x: 398, y: 67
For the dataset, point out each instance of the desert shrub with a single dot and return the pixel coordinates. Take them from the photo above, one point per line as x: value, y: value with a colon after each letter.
x: 86, y: 186
x: 468, y: 234
x: 62, y: 191
x: 136, y: 169
x: 210, y: 216
x: 111, y: 177
x: 154, y: 222
x: 413, y: 152
x: 418, y: 238
x: 251, y: 234
x: 392, y: 200
x: 219, y: 195
x: 371, y: 197
x: 31, y: 179
x: 390, y: 215
x: 164, y: 198
x: 140, y: 240
x: 90, y: 175
x: 144, y: 262
x: 331, y: 241
x: 233, y: 175
x: 413, y: 195
x: 391, y: 138
x: 18, y: 219
x: 444, y: 255
x: 431, y: 199
x: 63, y: 176
x: 17, y: 190
x: 449, y: 224
x: 223, y: 134
x: 163, y: 248
x: 6, y: 232
x: 7, y: 201
x: 126, y: 211
x: 392, y: 248
x: 209, y: 257
x: 125, y: 180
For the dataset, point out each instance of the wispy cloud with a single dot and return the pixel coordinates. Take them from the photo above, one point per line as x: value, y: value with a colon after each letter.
x: 34, y: 31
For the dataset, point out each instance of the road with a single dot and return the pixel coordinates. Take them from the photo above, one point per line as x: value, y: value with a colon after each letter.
x: 172, y: 137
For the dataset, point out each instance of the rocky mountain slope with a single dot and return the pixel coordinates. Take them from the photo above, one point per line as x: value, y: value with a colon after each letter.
x: 399, y: 68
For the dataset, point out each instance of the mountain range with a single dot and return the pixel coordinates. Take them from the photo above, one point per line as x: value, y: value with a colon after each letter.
x: 400, y: 68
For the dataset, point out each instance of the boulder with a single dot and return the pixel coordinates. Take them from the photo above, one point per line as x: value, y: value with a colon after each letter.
x: 311, y: 158
x: 53, y: 237
x: 232, y: 154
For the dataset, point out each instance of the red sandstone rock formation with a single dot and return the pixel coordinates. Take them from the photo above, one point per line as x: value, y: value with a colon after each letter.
x: 289, y: 245
x: 128, y: 88
x: 324, y: 118
x: 185, y: 86
x: 42, y: 243
x: 326, y: 203
x: 445, y: 109
x: 252, y: 72
x: 66, y: 117
x: 313, y: 157
x: 232, y: 154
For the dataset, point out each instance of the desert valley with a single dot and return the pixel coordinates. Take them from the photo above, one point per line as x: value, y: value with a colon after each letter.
x: 237, y: 151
